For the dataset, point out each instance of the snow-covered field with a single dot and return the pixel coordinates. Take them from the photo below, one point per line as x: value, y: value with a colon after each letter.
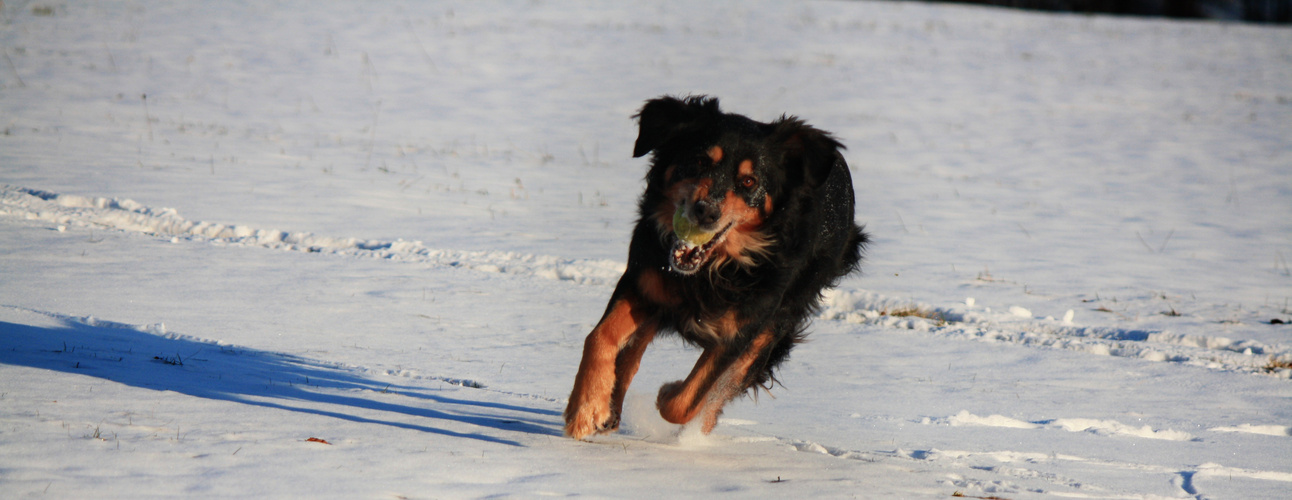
x: 325, y: 250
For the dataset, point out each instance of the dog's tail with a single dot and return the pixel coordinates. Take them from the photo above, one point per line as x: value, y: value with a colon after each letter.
x: 856, y: 247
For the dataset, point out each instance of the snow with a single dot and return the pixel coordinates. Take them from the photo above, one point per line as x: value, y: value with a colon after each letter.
x: 226, y: 229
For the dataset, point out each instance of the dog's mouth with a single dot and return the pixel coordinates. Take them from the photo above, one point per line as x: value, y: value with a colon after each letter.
x: 687, y: 257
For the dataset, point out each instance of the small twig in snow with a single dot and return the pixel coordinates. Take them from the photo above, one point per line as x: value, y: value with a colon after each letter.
x: 372, y: 135
x: 148, y: 119
x: 14, y: 70
x: 425, y: 56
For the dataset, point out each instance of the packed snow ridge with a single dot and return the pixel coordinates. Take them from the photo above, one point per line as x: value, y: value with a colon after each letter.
x: 1013, y: 325
x: 1100, y: 427
x: 131, y: 216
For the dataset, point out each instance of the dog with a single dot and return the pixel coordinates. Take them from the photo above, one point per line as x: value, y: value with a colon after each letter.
x: 741, y: 227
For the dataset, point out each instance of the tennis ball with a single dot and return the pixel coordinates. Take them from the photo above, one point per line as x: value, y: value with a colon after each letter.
x: 688, y: 232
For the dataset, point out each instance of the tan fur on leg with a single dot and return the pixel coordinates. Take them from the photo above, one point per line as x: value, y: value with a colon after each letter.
x: 733, y: 380
x: 626, y: 368
x: 680, y: 401
x: 589, y: 410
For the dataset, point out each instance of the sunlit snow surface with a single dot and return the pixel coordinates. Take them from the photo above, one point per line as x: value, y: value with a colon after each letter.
x: 228, y: 229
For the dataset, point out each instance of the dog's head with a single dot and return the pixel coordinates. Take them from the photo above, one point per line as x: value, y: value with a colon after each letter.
x: 718, y: 181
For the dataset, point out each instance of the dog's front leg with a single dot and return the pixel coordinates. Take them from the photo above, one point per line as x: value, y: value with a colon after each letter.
x: 681, y: 401
x: 591, y: 409
x: 735, y: 379
x: 721, y: 374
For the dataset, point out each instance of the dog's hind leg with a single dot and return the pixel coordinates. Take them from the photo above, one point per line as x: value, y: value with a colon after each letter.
x: 589, y: 410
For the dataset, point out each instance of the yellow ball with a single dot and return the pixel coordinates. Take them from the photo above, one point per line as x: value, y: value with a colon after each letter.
x: 688, y: 232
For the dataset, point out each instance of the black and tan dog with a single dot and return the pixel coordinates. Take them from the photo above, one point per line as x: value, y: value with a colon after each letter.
x: 741, y: 227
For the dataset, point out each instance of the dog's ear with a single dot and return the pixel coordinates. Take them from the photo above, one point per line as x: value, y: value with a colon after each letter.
x: 661, y: 118
x: 808, y: 151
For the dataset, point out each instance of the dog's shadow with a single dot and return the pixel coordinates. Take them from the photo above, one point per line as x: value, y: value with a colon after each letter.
x: 127, y: 355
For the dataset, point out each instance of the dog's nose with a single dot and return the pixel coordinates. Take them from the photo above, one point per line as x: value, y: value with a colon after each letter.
x: 705, y: 213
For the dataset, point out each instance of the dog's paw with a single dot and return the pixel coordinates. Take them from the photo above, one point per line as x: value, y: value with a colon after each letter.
x: 588, y: 420
x: 667, y: 393
x: 671, y: 406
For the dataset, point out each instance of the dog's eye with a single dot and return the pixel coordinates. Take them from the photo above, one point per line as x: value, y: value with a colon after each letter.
x: 748, y: 182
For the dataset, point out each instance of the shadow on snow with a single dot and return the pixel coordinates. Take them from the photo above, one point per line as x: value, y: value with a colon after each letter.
x: 123, y: 354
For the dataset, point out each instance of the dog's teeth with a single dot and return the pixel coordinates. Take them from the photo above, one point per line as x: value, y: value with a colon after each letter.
x: 686, y: 258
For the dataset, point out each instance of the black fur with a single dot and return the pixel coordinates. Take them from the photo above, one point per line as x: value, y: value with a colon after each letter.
x: 814, y: 239
x: 802, y: 239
